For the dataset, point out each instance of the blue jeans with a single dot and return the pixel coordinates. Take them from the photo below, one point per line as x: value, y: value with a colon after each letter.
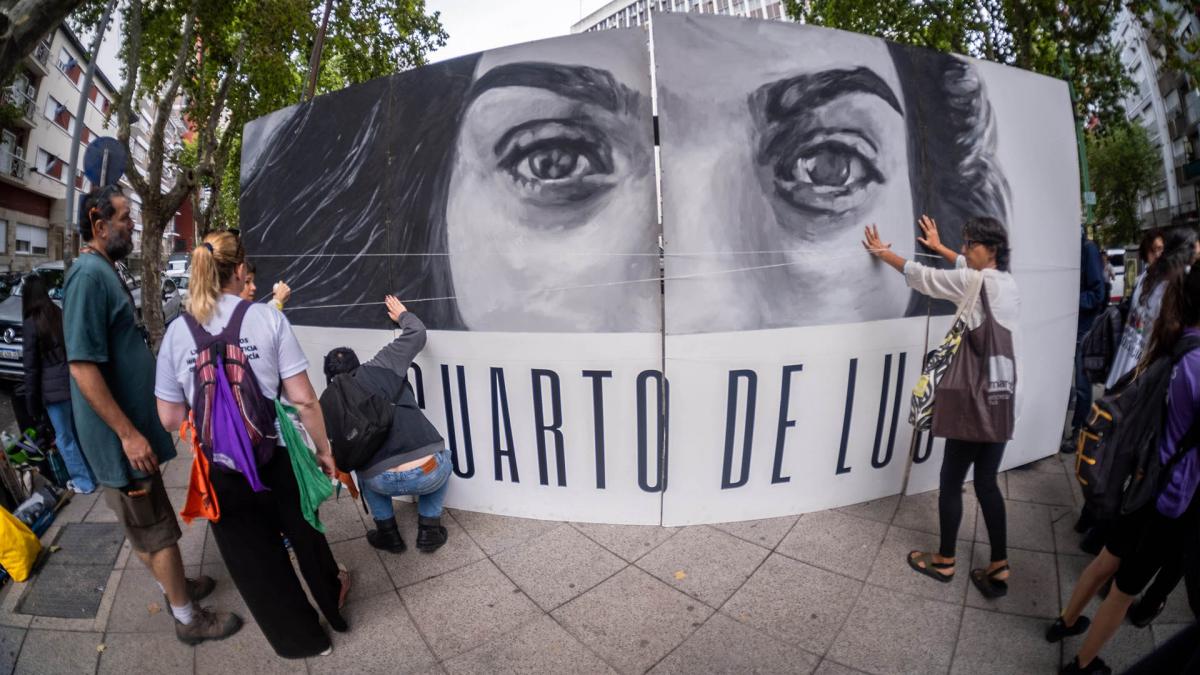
x: 68, y: 446
x: 430, y: 489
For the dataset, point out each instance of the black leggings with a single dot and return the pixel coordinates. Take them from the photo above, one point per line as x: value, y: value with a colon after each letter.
x: 959, y: 457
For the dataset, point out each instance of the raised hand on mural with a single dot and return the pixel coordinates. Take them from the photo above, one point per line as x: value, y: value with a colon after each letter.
x: 394, y: 308
x: 931, y: 240
x: 874, y: 245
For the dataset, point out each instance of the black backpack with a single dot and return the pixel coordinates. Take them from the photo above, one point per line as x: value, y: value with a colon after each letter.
x: 1100, y: 344
x: 357, y: 421
x: 1116, y: 457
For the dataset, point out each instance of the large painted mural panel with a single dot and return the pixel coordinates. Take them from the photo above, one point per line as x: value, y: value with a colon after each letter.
x: 509, y: 199
x: 790, y: 351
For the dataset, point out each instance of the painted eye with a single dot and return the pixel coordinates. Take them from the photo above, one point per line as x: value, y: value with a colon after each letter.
x: 555, y: 161
x: 827, y: 178
x: 830, y: 167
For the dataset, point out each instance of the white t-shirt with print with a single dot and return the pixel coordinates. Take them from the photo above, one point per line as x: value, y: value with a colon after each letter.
x: 267, y: 340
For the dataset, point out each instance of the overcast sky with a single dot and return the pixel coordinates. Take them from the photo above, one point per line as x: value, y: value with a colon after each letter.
x: 476, y: 25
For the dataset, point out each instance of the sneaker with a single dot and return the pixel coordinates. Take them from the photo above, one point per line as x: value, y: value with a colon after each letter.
x: 1096, y: 667
x: 1059, y: 629
x: 72, y: 486
x: 207, y: 624
x: 1144, y: 611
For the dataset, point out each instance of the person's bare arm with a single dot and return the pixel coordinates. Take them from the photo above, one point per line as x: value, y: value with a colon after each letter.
x: 95, y: 390
x: 171, y: 414
x: 299, y: 391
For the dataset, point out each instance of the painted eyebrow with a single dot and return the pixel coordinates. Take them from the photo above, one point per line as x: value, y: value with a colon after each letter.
x: 784, y: 98
x: 582, y: 83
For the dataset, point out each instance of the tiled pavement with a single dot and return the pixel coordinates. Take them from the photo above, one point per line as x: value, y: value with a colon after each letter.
x: 826, y: 592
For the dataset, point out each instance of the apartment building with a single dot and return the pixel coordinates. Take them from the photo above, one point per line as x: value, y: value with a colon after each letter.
x: 36, y: 132
x: 626, y: 13
x: 1167, y: 105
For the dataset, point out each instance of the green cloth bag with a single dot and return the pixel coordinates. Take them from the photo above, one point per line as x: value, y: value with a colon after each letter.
x: 314, y: 485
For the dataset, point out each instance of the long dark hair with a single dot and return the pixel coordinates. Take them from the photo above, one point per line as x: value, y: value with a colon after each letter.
x: 953, y: 169
x: 1179, y: 249
x: 1180, y: 309
x: 47, y: 317
x: 373, y: 161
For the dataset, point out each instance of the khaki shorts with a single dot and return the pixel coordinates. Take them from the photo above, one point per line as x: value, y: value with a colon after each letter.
x: 148, y: 518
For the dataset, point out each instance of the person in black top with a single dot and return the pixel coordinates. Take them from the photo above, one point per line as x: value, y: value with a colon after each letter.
x: 414, y: 459
x: 48, y: 377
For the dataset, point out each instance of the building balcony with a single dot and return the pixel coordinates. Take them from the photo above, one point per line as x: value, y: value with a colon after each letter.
x: 39, y: 58
x: 24, y: 101
x: 13, y: 166
x: 1168, y: 81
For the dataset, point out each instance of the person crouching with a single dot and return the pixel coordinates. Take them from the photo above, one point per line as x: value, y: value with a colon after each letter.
x: 413, y: 459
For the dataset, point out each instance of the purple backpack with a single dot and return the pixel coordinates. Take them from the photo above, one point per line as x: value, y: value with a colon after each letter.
x: 235, y: 422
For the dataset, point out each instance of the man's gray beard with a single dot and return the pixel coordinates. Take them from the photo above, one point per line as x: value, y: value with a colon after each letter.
x: 118, y: 249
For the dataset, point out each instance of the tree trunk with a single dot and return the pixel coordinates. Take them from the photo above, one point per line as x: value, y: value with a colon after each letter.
x: 23, y: 24
x: 153, y: 224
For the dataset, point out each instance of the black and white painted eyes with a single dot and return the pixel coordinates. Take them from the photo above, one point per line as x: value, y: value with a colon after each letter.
x: 557, y: 161
x: 827, y: 175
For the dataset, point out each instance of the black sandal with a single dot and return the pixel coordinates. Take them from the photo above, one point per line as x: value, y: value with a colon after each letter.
x: 930, y: 566
x: 988, y: 584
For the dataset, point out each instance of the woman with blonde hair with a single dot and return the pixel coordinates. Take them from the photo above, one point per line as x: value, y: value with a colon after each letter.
x: 260, y: 500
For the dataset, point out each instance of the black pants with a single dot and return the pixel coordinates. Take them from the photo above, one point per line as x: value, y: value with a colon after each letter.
x: 959, y: 457
x: 248, y: 535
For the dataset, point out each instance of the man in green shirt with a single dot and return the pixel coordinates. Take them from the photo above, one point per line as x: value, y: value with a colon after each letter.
x: 112, y: 394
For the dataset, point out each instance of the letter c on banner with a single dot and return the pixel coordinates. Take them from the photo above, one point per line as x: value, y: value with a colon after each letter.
x: 662, y: 406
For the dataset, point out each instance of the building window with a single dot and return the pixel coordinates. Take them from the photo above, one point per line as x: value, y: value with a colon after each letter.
x: 69, y: 66
x: 49, y: 164
x: 57, y: 112
x: 31, y: 240
x: 3, y: 236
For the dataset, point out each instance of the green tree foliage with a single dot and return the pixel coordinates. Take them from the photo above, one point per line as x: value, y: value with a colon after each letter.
x: 226, y: 62
x: 1052, y: 37
x: 1125, y: 166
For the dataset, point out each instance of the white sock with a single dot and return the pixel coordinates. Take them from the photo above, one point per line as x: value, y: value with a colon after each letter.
x: 183, y: 614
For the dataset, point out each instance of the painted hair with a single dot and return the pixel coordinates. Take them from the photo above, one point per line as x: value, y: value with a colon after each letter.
x: 375, y: 161
x: 953, y: 169
x: 214, y: 262
x: 97, y: 205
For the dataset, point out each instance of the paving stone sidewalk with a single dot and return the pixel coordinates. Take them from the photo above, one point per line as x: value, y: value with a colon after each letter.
x: 826, y: 592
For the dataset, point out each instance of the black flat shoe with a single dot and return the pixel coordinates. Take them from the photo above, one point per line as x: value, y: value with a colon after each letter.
x: 1059, y: 629
x: 929, y: 566
x: 1096, y: 667
x: 988, y: 584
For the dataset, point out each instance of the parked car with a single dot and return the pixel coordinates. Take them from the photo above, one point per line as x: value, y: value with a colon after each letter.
x: 11, y: 366
x: 1116, y: 258
x: 181, y: 281
x: 179, y: 263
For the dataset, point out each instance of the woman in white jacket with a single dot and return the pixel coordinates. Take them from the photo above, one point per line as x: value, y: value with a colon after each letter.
x: 985, y: 253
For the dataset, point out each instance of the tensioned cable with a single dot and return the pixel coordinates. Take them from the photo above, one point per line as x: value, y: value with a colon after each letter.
x: 623, y: 282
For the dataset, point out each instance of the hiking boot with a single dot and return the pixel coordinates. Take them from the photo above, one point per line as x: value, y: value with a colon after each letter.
x: 1144, y: 611
x: 386, y: 536
x: 197, y: 589
x: 430, y: 534
x: 1096, y: 667
x: 207, y: 624
x: 200, y: 587
x: 1059, y: 629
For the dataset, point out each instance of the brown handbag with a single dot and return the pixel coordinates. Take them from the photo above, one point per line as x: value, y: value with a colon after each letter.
x: 976, y: 396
